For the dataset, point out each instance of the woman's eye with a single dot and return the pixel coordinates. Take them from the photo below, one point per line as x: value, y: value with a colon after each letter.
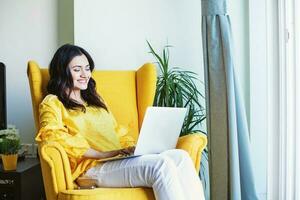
x: 76, y: 70
x: 87, y: 69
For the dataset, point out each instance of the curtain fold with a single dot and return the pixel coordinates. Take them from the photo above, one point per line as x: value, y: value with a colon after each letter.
x: 231, y: 175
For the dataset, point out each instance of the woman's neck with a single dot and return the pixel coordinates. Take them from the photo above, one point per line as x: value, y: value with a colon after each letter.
x: 76, y: 96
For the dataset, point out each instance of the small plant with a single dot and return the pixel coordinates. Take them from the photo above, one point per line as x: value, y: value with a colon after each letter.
x: 9, y: 141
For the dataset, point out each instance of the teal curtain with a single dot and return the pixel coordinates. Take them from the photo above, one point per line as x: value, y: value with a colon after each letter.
x: 231, y: 175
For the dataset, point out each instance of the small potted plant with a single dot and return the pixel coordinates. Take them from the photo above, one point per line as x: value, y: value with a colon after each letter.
x: 9, y: 147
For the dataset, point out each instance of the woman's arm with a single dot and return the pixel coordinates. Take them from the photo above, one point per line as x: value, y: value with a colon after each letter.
x: 92, y: 153
x: 52, y: 129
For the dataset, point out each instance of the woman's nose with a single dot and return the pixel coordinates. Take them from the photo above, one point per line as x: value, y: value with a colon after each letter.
x: 83, y: 73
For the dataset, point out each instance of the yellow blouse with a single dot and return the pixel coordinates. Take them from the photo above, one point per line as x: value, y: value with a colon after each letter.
x: 78, y: 131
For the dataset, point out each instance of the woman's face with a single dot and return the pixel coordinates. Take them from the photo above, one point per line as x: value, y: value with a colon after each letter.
x: 80, y: 71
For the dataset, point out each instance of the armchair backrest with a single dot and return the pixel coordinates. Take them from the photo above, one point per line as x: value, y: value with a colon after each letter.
x: 127, y: 93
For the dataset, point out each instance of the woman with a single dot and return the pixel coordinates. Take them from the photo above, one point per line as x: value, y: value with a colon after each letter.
x: 74, y: 115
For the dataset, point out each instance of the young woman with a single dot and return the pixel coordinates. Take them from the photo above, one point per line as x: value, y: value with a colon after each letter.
x: 74, y: 115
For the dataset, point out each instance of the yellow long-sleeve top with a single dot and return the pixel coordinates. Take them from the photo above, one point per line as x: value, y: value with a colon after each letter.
x: 78, y: 131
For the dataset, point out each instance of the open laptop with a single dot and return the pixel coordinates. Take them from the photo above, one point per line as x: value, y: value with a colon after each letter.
x: 159, y: 132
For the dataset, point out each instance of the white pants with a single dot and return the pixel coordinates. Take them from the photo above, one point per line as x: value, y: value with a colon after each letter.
x: 171, y: 174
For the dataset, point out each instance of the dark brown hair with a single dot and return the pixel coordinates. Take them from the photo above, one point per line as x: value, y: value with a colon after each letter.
x: 61, y: 79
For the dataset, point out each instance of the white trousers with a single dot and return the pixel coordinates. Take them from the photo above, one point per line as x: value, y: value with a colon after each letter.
x: 171, y: 174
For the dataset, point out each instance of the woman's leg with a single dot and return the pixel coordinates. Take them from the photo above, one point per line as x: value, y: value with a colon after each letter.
x: 156, y: 171
x: 187, y: 174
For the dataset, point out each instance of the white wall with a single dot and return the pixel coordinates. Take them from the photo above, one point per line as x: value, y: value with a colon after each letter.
x: 28, y: 31
x: 115, y: 31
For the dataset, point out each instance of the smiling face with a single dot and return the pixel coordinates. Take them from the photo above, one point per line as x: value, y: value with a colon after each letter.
x: 80, y: 71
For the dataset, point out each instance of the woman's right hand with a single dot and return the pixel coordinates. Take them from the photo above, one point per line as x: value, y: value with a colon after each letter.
x: 124, y: 151
x: 127, y: 151
x: 108, y: 154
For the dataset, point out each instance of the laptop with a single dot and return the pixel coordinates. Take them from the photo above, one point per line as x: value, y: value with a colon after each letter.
x: 159, y: 132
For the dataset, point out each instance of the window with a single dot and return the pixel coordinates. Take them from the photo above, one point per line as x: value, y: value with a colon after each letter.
x: 289, y: 99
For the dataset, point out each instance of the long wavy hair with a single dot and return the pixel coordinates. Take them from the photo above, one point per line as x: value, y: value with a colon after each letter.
x: 61, y: 81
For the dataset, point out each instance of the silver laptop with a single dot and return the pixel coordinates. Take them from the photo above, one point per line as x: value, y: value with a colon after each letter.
x: 159, y: 132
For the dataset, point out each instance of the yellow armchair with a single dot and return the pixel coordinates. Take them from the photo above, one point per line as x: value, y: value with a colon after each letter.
x: 128, y: 94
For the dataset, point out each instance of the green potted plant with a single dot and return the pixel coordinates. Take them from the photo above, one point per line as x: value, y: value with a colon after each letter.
x: 177, y: 88
x: 9, y: 147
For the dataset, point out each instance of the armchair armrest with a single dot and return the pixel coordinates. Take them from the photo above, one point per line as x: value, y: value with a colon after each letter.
x: 56, y: 169
x: 194, y: 145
